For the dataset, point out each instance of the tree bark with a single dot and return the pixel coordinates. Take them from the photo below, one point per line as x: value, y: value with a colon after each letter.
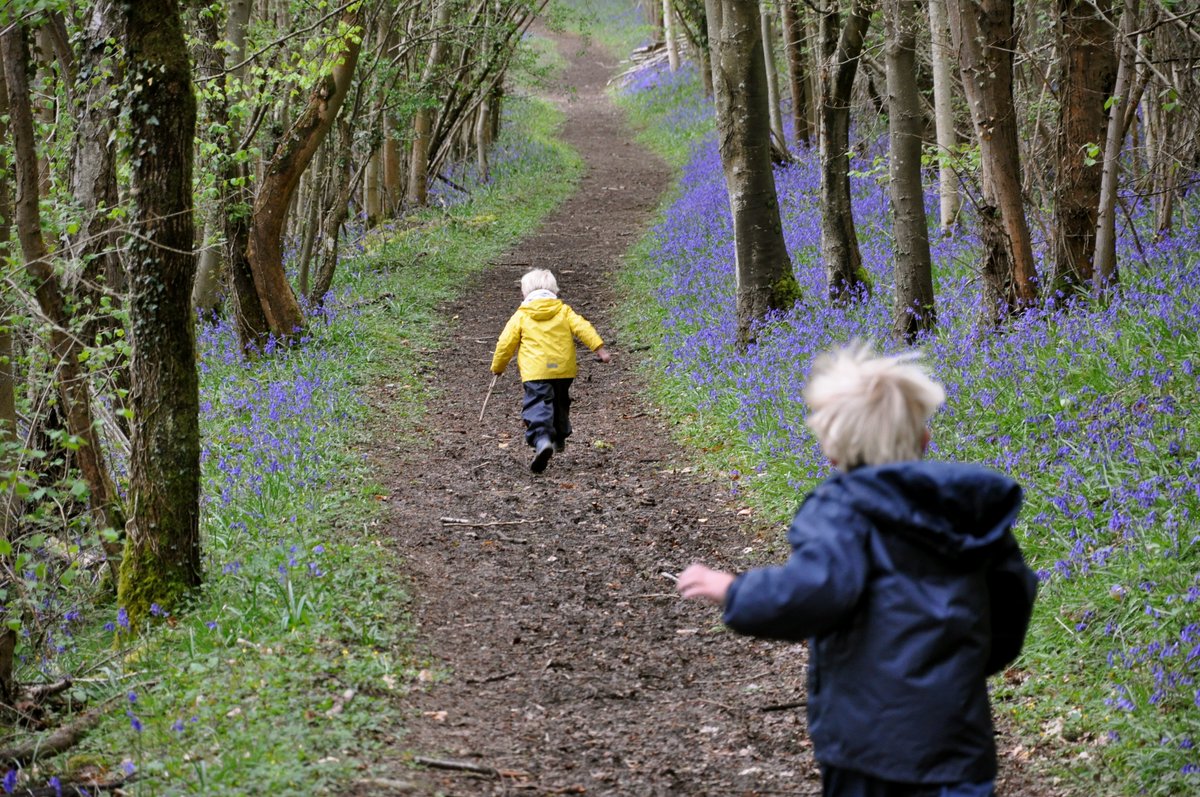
x: 282, y: 174
x: 949, y: 200
x: 913, y: 310
x: 1127, y: 93
x: 763, y: 269
x: 986, y: 40
x: 418, y: 170
x: 65, y: 348
x: 1087, y: 75
x: 8, y: 403
x: 840, y: 51
x: 669, y: 36
x: 162, y: 560
x: 793, y: 45
x: 94, y: 172
x: 767, y: 20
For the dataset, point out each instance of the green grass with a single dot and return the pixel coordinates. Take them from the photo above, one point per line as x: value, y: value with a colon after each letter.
x: 285, y: 673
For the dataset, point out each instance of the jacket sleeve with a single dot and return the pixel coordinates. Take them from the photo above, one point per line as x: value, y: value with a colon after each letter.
x: 582, y: 329
x: 818, y: 586
x: 506, y: 346
x: 1012, y: 587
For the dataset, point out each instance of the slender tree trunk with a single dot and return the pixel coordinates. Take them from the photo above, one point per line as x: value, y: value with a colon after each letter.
x: 65, y: 348
x: 943, y: 100
x: 282, y: 175
x: 914, y: 302
x: 418, y: 170
x: 763, y: 269
x: 840, y: 51
x: 669, y: 35
x: 1087, y: 74
x: 162, y: 561
x: 1128, y: 94
x: 793, y: 45
x: 8, y: 406
x: 483, y: 141
x: 986, y: 40
x: 767, y: 21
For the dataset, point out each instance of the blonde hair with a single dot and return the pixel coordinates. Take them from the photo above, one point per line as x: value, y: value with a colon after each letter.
x: 539, y: 279
x: 868, y: 410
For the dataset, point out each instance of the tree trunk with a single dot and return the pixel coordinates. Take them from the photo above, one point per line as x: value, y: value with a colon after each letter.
x: 793, y: 45
x: 162, y: 560
x: 840, y: 51
x: 914, y: 302
x: 418, y: 170
x: 1087, y: 74
x: 943, y: 102
x: 65, y: 348
x: 986, y: 40
x: 762, y: 268
x: 282, y: 174
x: 669, y: 35
x: 94, y: 172
x: 8, y: 404
x: 1128, y: 94
x: 767, y: 21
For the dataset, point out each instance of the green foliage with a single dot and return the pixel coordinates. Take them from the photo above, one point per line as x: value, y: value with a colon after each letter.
x: 288, y: 671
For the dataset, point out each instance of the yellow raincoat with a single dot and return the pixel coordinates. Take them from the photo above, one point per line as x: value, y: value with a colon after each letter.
x: 542, y: 334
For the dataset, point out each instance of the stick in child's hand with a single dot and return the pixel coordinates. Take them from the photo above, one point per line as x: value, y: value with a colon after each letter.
x: 669, y: 577
x: 488, y: 396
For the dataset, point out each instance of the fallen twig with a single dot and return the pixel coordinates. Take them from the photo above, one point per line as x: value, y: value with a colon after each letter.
x: 459, y: 766
x: 458, y: 521
x: 63, y: 738
x: 784, y: 706
x: 38, y: 692
x: 492, y: 678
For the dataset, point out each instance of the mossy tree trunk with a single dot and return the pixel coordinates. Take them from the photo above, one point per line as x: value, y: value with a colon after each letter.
x: 913, y: 309
x: 162, y: 558
x: 1087, y: 75
x: 841, y: 48
x: 762, y: 267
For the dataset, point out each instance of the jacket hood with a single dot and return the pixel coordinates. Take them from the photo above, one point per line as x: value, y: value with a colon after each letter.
x: 957, y: 511
x: 542, y: 309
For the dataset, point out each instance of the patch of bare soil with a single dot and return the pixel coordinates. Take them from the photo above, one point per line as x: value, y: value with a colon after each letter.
x: 571, y: 667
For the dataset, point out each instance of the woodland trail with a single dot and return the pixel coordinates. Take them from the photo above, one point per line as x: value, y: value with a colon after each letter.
x: 569, y: 664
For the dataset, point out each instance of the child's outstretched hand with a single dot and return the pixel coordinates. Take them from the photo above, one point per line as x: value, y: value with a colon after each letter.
x: 704, y: 583
x: 602, y: 354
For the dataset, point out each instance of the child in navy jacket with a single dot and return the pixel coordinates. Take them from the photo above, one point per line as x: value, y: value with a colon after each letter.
x: 907, y: 582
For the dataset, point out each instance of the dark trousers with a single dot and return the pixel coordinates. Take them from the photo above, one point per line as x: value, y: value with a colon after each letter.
x: 547, y: 410
x: 837, y: 782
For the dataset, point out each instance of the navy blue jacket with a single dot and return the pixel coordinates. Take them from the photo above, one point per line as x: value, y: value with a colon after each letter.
x: 911, y: 588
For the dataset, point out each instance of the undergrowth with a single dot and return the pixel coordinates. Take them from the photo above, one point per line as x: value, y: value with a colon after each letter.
x: 284, y: 675
x: 1092, y: 410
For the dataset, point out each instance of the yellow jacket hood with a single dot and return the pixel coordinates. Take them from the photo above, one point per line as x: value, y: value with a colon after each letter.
x: 542, y: 334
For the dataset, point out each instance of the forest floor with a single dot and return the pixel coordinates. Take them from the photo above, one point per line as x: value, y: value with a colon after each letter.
x: 561, y: 657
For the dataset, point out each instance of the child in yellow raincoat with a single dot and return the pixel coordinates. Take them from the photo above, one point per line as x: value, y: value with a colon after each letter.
x: 542, y: 334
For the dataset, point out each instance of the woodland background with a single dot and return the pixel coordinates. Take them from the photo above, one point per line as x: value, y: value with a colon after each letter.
x: 194, y: 195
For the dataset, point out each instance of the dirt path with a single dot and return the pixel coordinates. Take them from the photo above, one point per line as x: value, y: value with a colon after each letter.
x: 572, y: 667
